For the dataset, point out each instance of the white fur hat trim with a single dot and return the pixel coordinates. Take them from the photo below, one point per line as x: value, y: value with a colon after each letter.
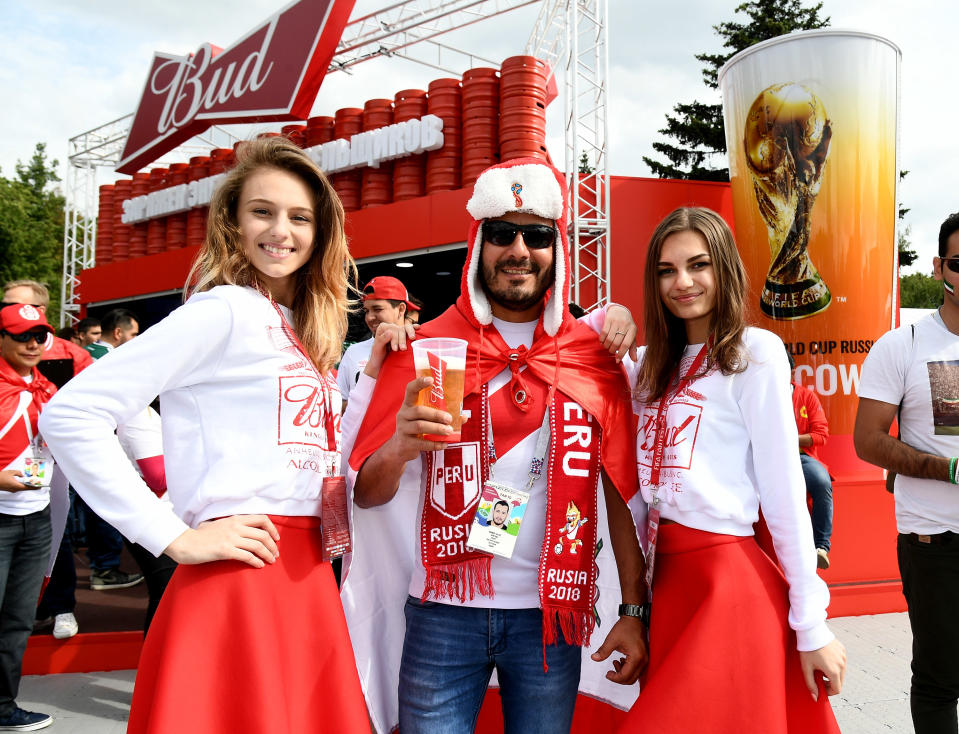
x: 493, y: 192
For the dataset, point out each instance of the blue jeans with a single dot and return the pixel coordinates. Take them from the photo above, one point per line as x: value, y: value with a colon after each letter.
x: 819, y: 486
x: 450, y: 653
x: 104, y: 543
x: 24, y: 555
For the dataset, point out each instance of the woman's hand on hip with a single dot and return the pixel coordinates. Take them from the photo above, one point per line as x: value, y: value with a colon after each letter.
x: 251, y: 539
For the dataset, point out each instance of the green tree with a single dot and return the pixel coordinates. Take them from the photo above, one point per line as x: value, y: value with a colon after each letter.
x: 31, y: 226
x: 920, y: 291
x: 697, y: 127
x: 907, y: 256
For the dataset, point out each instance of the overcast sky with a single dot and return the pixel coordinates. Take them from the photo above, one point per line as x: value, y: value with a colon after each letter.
x: 72, y: 65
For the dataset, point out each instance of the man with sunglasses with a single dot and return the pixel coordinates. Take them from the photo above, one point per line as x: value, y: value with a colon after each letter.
x: 25, y: 533
x: 431, y: 617
x: 385, y: 301
x: 913, y: 373
x: 36, y: 294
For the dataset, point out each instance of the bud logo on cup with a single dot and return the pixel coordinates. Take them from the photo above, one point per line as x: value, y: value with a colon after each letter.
x: 444, y: 360
x: 438, y: 370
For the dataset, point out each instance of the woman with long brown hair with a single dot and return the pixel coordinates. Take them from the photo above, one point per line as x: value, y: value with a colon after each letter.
x: 734, y: 645
x: 250, y: 634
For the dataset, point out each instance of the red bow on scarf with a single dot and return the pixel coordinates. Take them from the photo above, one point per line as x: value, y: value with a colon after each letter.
x: 573, y: 362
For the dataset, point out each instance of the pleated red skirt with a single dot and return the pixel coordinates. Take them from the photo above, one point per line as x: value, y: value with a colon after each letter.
x: 235, y: 649
x: 722, y: 657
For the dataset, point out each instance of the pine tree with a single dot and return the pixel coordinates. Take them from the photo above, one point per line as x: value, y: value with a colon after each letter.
x: 697, y: 128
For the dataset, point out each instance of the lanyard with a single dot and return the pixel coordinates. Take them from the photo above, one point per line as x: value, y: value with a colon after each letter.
x: 324, y: 387
x: 659, y: 448
x: 659, y: 444
x: 539, y: 453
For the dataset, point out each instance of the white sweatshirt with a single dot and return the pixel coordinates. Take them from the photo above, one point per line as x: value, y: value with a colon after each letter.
x: 244, y: 420
x: 731, y: 448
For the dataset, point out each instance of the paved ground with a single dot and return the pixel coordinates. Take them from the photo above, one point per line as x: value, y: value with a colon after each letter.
x: 874, y: 701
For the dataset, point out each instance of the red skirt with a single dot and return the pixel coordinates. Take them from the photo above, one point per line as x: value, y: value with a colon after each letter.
x: 236, y: 649
x: 722, y: 657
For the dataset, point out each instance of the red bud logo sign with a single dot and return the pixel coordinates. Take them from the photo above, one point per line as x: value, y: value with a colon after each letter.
x: 273, y: 73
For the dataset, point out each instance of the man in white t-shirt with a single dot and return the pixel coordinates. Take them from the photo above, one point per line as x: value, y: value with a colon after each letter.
x: 385, y: 301
x: 914, y: 371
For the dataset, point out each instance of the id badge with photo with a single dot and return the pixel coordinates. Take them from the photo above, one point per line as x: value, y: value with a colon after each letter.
x: 498, y: 519
x: 333, y: 516
x: 37, y: 470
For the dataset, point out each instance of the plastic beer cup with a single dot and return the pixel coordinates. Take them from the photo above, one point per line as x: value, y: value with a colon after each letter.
x: 445, y: 361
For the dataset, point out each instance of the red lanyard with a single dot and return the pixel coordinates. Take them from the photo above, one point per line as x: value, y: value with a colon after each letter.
x: 659, y: 445
x: 327, y: 393
x: 659, y: 448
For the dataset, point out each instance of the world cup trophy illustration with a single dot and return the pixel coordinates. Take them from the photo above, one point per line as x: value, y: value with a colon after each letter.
x: 787, y: 140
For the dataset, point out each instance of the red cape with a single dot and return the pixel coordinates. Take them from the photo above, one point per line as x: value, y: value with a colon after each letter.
x: 574, y: 362
x: 15, y: 440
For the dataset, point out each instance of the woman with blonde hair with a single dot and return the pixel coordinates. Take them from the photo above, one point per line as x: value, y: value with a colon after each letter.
x: 250, y: 635
x: 734, y: 645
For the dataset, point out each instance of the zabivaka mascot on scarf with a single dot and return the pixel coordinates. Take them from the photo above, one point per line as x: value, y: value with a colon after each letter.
x: 433, y: 615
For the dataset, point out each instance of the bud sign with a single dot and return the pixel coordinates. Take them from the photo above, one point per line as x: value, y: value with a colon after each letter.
x: 273, y: 73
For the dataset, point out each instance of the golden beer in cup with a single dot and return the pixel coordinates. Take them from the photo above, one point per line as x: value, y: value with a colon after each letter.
x: 444, y: 360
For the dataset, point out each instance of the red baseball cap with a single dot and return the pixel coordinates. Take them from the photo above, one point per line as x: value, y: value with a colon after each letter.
x: 388, y: 288
x: 21, y: 317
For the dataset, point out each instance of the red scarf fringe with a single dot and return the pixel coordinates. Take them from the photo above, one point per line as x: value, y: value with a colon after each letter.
x: 461, y: 580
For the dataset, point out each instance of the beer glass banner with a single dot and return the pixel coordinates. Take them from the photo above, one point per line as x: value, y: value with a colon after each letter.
x: 811, y: 129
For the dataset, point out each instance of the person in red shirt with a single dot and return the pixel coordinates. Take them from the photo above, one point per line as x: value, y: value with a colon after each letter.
x: 813, y: 431
x: 37, y: 295
x: 25, y: 533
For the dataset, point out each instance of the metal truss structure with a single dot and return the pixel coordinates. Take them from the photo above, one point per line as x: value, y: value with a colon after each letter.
x: 569, y: 34
x: 572, y: 34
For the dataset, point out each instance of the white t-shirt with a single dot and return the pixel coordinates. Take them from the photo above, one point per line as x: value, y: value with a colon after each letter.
x: 351, y: 366
x: 515, y: 579
x: 921, y: 371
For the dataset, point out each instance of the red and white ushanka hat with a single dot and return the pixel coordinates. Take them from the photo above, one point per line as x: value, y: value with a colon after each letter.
x: 526, y: 185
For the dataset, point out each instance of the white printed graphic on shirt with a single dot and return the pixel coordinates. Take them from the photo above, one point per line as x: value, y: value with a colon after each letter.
x: 944, y: 388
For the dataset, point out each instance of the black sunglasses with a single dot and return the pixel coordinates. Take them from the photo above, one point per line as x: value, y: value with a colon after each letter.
x: 503, y: 234
x: 951, y: 262
x: 39, y: 336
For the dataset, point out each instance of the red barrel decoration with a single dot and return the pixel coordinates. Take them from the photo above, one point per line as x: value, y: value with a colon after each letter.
x: 409, y: 172
x: 444, y: 166
x: 522, y: 122
x: 377, y: 185
x: 104, y: 249
x: 196, y: 217
x: 176, y: 223
x: 121, y: 232
x: 481, y: 100
x: 348, y: 184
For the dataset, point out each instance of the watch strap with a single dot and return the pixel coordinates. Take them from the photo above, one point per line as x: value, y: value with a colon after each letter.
x: 640, y: 611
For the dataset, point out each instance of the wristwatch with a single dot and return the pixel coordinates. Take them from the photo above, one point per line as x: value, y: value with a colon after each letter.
x: 640, y: 611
